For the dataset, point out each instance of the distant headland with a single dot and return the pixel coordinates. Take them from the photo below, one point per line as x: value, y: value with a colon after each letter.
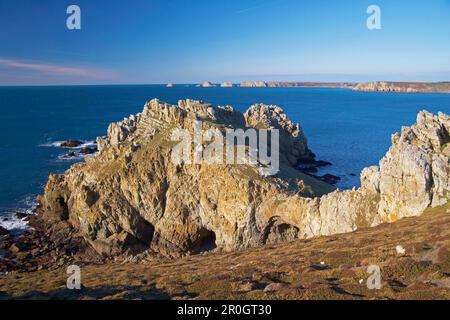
x: 376, y: 86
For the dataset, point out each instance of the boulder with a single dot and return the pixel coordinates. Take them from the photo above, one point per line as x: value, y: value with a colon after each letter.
x: 88, y: 150
x: 71, y: 144
x: 3, y: 231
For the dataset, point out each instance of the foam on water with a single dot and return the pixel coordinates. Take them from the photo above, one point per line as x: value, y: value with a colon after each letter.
x: 8, y: 219
x: 57, y: 144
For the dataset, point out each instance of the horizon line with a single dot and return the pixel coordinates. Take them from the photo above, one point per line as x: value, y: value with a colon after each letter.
x: 199, y: 83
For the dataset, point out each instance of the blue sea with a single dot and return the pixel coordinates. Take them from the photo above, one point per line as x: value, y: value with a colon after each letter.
x: 350, y: 129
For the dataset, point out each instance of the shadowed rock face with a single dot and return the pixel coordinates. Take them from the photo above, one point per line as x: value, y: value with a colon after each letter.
x: 132, y: 198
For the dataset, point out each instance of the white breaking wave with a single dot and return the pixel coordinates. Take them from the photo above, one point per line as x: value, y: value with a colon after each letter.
x: 57, y: 144
x: 76, y: 156
x: 8, y: 219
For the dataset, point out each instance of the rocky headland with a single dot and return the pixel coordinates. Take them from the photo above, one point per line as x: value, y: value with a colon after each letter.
x: 130, y: 202
x: 404, y: 87
x: 285, y: 84
x: 131, y: 199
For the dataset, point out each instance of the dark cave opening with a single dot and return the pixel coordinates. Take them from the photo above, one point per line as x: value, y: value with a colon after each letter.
x: 204, y: 242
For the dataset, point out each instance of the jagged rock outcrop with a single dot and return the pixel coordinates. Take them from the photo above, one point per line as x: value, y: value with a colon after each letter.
x: 415, y: 172
x: 131, y: 198
x: 292, y: 139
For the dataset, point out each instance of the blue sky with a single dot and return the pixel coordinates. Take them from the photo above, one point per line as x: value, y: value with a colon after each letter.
x: 190, y: 41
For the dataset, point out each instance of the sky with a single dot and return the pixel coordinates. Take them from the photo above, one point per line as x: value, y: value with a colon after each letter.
x: 191, y: 41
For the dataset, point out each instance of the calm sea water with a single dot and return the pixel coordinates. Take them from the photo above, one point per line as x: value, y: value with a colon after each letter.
x: 350, y: 129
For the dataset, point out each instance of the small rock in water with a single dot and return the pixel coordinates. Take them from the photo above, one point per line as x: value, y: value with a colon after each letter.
x: 71, y: 144
x: 330, y: 179
x: 3, y: 231
x: 87, y: 150
x: 21, y: 215
x: 400, y: 250
x: 321, y: 163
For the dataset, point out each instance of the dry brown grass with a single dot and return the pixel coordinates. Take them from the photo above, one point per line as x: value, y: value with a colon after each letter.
x: 294, y: 270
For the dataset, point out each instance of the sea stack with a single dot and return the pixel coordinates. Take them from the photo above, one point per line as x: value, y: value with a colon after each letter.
x: 207, y: 84
x: 169, y: 85
x: 227, y: 85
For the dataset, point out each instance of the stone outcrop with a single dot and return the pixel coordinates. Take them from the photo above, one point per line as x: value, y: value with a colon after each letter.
x: 292, y: 139
x: 132, y: 199
x: 414, y: 174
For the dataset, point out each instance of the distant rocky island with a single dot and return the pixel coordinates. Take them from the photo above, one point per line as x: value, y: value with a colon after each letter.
x: 405, y: 87
x: 380, y: 86
x: 275, y: 84
x: 207, y: 84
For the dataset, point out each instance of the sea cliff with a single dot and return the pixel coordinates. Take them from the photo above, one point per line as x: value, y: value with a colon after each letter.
x: 131, y: 199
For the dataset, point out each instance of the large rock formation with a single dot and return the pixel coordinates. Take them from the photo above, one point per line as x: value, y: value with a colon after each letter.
x: 414, y: 174
x: 132, y: 198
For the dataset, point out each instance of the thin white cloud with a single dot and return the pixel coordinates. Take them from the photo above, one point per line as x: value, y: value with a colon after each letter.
x: 57, y: 70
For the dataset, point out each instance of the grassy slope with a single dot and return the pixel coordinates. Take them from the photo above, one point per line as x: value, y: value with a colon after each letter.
x: 293, y: 270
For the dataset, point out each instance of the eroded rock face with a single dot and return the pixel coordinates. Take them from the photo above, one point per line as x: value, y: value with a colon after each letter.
x: 131, y: 198
x: 131, y: 195
x: 292, y: 139
x: 414, y: 174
